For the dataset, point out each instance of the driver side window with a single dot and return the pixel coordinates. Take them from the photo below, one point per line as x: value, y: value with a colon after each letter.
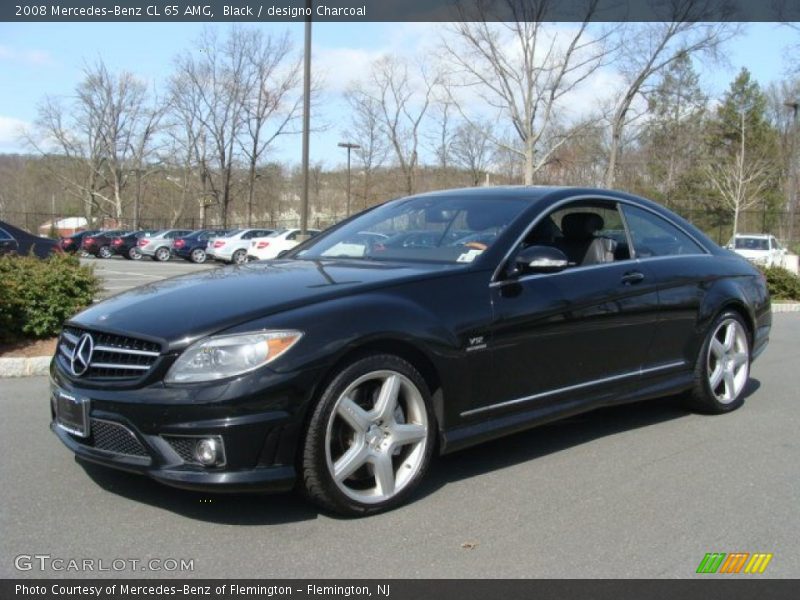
x: 588, y: 233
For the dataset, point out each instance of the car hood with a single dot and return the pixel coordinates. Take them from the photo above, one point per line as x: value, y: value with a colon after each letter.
x: 185, y: 308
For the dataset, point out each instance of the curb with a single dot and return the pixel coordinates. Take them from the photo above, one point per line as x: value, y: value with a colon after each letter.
x: 25, y: 367
x: 779, y: 307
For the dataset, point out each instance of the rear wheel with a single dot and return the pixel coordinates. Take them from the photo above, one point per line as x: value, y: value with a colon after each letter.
x: 198, y: 256
x: 161, y: 254
x: 723, y: 366
x: 104, y: 252
x: 370, y: 439
x: 239, y: 257
x: 134, y: 254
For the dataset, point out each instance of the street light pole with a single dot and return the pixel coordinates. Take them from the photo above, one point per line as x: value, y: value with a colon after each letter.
x: 350, y: 146
x: 793, y: 170
x: 306, y: 120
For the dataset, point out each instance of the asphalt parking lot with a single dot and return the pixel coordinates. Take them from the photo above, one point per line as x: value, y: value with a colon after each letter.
x: 119, y: 274
x: 635, y: 491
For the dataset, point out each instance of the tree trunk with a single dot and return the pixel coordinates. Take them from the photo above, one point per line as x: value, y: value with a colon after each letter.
x: 529, y: 162
x: 613, y: 152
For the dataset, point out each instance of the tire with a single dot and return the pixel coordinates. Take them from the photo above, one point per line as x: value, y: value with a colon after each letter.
x: 104, y: 252
x: 134, y: 254
x: 378, y: 411
x: 198, y: 256
x: 161, y: 254
x: 239, y: 257
x: 723, y: 366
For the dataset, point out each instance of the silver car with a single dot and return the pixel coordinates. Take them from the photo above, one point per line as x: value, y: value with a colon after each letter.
x: 158, y: 246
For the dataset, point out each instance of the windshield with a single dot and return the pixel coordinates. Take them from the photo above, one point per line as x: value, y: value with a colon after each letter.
x: 752, y: 244
x: 429, y: 228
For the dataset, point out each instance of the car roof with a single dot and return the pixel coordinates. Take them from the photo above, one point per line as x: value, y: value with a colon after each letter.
x: 754, y: 235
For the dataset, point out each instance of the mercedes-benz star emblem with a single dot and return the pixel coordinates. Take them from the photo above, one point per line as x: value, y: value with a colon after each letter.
x: 82, y: 355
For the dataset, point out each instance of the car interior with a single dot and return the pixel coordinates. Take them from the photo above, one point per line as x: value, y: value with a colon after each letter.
x: 582, y: 233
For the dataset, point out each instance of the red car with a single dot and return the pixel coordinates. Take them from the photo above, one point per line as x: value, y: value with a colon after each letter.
x: 72, y: 243
x: 99, y: 244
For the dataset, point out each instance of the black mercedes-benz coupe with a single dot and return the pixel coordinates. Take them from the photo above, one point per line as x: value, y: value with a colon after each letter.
x: 345, y: 366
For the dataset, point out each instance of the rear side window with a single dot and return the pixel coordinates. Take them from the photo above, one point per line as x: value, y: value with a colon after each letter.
x: 653, y: 236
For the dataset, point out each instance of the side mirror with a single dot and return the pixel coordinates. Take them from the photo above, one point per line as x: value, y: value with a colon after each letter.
x: 540, y: 259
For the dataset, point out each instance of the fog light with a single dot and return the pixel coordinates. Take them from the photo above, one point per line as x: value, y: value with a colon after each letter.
x: 207, y: 452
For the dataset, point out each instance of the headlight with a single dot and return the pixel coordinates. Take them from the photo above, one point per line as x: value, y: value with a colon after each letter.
x: 229, y: 355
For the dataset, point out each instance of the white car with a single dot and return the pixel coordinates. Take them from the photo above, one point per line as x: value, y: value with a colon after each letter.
x: 232, y: 248
x: 760, y: 248
x: 270, y: 246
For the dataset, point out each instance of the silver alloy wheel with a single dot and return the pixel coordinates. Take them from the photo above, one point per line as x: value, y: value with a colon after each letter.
x: 134, y: 253
x: 376, y: 437
x: 104, y: 252
x: 198, y: 255
x: 728, y: 361
x: 162, y: 254
x: 239, y: 257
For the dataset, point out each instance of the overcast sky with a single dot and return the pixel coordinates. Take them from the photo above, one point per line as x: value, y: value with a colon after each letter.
x: 47, y: 58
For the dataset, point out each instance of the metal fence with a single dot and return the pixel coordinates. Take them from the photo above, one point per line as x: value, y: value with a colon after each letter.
x: 718, y: 225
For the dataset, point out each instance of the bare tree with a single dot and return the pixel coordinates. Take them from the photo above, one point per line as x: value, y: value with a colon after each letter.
x: 524, y: 70
x: 72, y: 148
x: 103, y: 137
x: 471, y: 149
x: 403, y: 103
x: 442, y: 135
x: 219, y: 77
x: 188, y: 148
x: 366, y: 131
x: 647, y: 48
x: 273, y: 102
x: 740, y: 181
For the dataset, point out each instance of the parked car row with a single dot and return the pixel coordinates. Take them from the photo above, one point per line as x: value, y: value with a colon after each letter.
x: 231, y: 246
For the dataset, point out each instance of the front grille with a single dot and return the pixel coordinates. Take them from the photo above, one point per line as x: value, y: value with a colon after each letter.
x: 114, y: 438
x: 114, y: 357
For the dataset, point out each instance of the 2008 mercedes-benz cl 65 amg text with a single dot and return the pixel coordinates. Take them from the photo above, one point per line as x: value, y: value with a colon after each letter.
x: 418, y: 327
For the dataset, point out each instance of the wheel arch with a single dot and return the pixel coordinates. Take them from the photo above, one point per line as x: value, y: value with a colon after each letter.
x: 395, y: 346
x: 727, y: 296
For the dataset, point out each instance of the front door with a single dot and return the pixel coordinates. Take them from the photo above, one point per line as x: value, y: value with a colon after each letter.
x: 557, y: 338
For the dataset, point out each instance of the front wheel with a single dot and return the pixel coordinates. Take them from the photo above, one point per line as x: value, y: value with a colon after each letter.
x: 370, y: 439
x: 723, y: 366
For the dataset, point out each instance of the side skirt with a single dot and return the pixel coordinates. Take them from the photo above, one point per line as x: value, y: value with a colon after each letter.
x: 644, y: 388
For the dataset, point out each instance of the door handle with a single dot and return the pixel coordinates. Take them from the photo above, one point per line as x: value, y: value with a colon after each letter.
x: 632, y: 277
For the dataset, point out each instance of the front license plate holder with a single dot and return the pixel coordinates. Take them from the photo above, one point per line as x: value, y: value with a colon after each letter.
x: 72, y: 413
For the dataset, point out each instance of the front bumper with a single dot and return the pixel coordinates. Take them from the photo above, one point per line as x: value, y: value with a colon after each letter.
x: 136, y: 431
